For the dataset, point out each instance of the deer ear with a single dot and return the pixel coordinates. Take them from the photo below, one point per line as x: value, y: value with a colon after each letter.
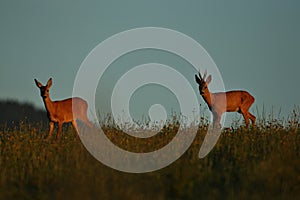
x: 197, y: 79
x: 208, y: 80
x: 49, y: 83
x: 38, y: 84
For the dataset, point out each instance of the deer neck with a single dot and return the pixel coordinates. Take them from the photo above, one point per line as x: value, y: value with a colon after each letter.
x: 207, y: 96
x: 49, y: 105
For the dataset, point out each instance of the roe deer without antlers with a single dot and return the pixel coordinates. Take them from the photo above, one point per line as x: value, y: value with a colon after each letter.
x: 62, y: 111
x: 236, y: 101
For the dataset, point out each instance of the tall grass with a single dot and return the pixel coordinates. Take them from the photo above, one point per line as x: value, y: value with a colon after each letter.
x: 260, y: 162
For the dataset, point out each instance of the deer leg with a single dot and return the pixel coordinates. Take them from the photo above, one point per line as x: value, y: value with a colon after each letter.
x: 51, y: 127
x: 87, y: 121
x: 59, y: 129
x: 252, y: 118
x: 75, y: 126
x: 216, y: 120
x: 245, y: 115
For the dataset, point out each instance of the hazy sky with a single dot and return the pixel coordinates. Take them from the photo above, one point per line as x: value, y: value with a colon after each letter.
x: 255, y: 44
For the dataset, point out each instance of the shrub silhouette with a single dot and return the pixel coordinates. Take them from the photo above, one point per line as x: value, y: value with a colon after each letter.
x: 14, y: 112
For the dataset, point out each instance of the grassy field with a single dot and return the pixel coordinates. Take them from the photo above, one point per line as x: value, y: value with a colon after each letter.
x: 256, y: 163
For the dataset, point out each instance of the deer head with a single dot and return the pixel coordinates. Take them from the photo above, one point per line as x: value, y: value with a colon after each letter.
x: 44, y: 89
x: 203, y: 84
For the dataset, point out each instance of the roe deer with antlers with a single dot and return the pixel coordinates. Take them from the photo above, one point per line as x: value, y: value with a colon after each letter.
x: 63, y: 111
x: 236, y: 101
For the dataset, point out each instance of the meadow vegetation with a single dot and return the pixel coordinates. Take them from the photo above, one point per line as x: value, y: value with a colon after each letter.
x: 255, y: 163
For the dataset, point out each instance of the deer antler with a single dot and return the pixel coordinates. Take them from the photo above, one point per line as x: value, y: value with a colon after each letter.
x: 205, y: 73
x: 200, y: 75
